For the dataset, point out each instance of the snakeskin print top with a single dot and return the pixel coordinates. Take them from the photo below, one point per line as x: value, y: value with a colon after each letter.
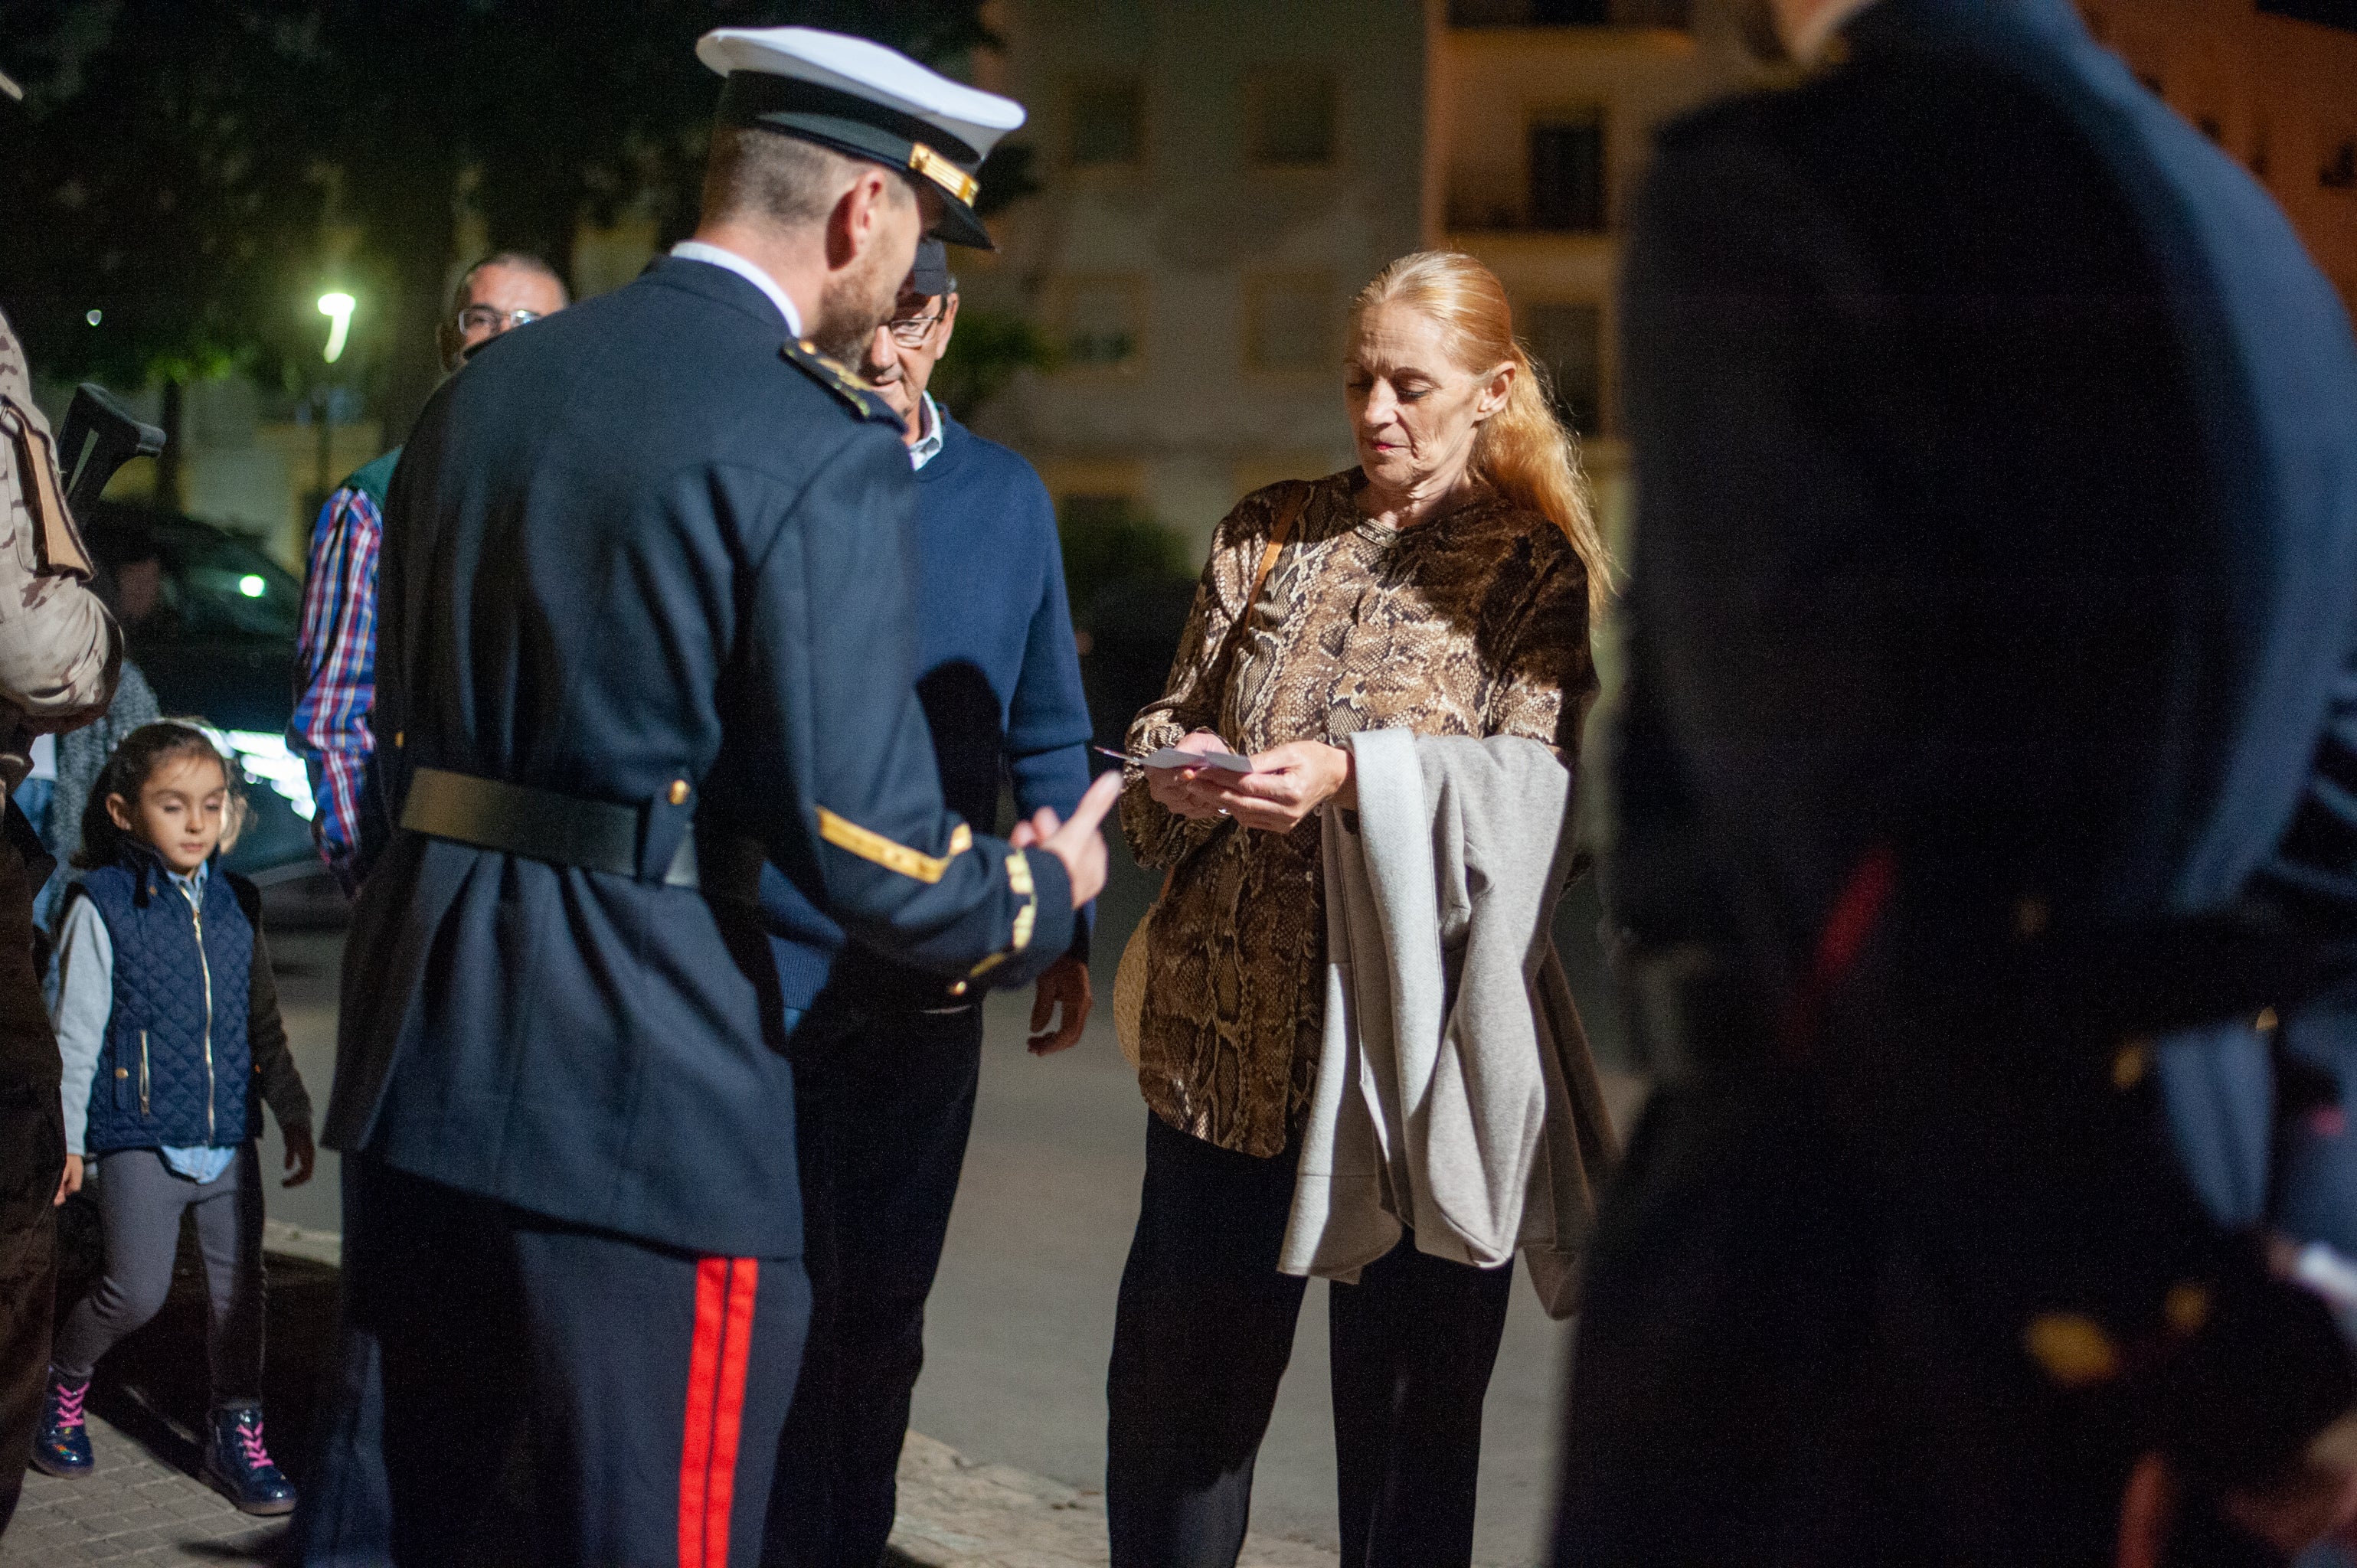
x: 1473, y: 623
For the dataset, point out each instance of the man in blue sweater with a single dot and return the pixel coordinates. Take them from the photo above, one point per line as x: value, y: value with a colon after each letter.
x: 885, y: 1064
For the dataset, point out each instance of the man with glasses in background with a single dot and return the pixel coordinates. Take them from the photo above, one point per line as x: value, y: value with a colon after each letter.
x: 335, y: 647
x: 886, y: 1066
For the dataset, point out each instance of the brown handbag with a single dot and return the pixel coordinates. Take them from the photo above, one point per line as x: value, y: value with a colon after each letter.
x: 1129, y: 978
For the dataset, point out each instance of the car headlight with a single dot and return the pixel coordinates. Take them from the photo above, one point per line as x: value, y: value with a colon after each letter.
x: 268, y: 759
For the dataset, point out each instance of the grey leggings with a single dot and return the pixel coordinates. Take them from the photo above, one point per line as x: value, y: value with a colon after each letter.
x: 139, y: 1204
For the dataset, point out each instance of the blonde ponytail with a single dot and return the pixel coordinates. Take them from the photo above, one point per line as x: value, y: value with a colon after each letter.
x: 1523, y: 451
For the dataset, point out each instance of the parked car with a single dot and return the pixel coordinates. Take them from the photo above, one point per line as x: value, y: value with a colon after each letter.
x: 213, y: 621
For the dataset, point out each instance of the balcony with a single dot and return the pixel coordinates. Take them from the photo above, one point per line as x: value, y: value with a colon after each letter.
x: 1571, y: 13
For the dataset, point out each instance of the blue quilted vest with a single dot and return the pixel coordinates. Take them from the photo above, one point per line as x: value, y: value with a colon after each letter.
x: 176, y: 1065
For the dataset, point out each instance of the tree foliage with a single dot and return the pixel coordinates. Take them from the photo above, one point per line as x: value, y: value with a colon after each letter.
x: 987, y: 350
x: 181, y: 166
x: 147, y: 179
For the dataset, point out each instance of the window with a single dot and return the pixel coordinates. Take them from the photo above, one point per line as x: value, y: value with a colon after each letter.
x: 2340, y: 14
x: 1102, y: 321
x: 2339, y: 170
x: 1567, y: 340
x: 1567, y: 173
x: 1290, y: 119
x: 1289, y: 322
x: 1108, y: 128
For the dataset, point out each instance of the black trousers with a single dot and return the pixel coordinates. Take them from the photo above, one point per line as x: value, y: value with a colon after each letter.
x: 1200, y: 1340
x: 653, y: 1381
x: 31, y: 1153
x: 883, y: 1102
x: 1769, y: 1372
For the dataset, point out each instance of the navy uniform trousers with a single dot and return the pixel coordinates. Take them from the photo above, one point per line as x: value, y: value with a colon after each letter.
x: 883, y: 1102
x: 652, y: 1383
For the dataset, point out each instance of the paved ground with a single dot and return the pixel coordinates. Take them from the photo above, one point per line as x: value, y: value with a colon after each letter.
x: 133, y: 1509
x: 955, y: 1513
x: 1021, y: 1322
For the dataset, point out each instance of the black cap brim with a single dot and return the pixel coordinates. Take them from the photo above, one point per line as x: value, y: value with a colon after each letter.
x: 961, y: 224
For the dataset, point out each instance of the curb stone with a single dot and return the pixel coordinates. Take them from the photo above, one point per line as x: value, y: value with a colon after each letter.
x: 956, y: 1513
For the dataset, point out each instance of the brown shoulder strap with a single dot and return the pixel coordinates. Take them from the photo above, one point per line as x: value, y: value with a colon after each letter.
x: 1286, y: 518
x: 1294, y: 504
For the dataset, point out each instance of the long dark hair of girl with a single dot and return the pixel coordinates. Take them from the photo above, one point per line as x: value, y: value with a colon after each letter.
x: 133, y: 762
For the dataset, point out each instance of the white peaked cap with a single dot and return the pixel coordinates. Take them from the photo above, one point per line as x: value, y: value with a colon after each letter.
x: 858, y: 97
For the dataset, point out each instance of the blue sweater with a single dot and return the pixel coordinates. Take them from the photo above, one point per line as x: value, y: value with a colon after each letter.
x: 1000, y: 680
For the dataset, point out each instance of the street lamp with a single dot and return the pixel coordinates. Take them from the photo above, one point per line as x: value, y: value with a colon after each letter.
x: 338, y: 308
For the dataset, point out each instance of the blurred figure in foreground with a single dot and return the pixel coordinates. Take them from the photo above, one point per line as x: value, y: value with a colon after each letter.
x: 128, y: 581
x: 335, y: 674
x: 59, y: 654
x: 1991, y: 696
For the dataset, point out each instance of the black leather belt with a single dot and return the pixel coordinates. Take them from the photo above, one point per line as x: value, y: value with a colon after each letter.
x: 566, y: 830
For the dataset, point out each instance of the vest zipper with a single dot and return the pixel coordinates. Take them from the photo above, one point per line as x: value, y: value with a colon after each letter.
x: 205, y: 968
x: 143, y: 1075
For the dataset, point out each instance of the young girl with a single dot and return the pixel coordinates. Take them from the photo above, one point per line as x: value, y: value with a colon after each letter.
x: 167, y: 1021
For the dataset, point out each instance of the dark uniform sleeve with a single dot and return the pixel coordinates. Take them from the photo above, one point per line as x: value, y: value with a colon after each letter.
x: 828, y: 663
x: 1048, y: 725
x: 2037, y: 1168
x: 275, y: 1076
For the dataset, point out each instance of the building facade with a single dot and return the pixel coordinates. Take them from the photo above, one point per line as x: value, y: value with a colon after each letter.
x: 1219, y: 176
x: 2272, y: 83
x: 1218, y: 179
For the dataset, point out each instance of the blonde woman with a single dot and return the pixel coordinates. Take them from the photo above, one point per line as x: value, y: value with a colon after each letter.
x: 1445, y: 585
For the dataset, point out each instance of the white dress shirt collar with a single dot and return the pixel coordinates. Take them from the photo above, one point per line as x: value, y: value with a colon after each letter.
x: 927, y: 446
x: 698, y: 251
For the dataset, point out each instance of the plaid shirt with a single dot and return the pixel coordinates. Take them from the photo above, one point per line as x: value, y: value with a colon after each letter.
x: 335, y: 653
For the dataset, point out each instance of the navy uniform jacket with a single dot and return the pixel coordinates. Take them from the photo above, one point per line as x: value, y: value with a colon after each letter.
x: 648, y: 542
x: 1996, y: 456
x: 999, y: 676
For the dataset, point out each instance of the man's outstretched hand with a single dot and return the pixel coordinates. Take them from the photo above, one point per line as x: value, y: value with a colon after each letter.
x: 1066, y: 984
x: 1077, y: 843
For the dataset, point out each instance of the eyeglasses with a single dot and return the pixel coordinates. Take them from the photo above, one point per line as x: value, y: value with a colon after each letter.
x: 910, y: 331
x: 489, y: 318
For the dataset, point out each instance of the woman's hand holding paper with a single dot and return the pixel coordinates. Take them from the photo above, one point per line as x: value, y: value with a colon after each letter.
x: 1287, y: 784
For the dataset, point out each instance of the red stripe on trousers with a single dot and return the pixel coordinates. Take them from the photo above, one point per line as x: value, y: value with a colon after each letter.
x: 725, y: 1290
x: 1857, y: 911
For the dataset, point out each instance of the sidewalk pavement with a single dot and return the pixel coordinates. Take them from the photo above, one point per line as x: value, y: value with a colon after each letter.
x: 133, y: 1508
x: 136, y: 1507
x: 144, y: 1504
